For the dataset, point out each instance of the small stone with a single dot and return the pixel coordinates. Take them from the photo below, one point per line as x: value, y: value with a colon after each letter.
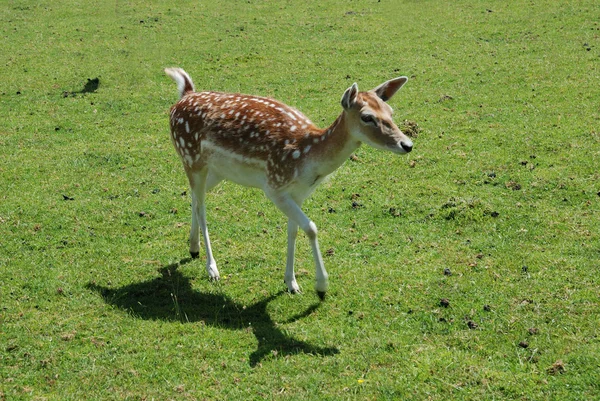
x: 523, y: 344
x: 472, y: 325
x: 447, y: 272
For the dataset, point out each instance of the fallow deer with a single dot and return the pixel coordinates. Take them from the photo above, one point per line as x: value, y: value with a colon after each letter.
x: 260, y: 142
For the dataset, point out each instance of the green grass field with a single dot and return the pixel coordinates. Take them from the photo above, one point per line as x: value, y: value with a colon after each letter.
x: 467, y: 270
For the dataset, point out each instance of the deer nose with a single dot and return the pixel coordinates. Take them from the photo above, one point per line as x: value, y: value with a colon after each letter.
x: 407, y: 146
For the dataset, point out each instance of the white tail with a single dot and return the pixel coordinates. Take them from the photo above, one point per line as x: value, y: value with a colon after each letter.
x: 260, y: 142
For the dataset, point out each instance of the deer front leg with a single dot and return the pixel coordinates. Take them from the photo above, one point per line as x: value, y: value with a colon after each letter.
x: 290, y: 277
x: 198, y: 186
x: 291, y: 209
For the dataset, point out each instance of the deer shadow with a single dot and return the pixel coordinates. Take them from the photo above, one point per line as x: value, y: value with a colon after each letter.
x: 171, y: 297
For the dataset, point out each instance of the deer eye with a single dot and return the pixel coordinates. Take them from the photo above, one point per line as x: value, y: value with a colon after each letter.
x: 368, y: 119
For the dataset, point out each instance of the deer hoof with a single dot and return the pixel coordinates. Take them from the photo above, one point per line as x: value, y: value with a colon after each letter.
x: 195, y: 255
x: 321, y: 295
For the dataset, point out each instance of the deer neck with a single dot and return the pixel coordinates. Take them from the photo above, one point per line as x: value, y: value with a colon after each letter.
x: 336, y: 145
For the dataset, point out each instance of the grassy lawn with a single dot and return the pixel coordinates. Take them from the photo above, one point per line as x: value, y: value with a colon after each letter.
x: 467, y: 270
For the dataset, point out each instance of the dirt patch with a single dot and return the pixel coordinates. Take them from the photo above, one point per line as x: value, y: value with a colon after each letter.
x: 557, y: 367
x: 410, y: 128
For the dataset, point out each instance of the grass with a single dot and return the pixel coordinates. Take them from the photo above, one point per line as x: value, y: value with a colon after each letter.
x: 98, y: 299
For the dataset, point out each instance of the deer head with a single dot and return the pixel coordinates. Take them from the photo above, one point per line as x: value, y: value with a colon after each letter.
x: 370, y: 117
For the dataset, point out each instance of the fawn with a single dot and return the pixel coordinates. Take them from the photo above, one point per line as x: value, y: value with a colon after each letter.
x: 260, y: 142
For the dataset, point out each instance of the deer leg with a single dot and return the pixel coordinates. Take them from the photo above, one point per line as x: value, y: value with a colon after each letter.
x: 194, y: 232
x: 291, y: 209
x: 198, y: 183
x: 290, y: 277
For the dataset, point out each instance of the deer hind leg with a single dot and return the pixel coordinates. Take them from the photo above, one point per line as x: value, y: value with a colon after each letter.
x: 291, y: 209
x: 200, y: 182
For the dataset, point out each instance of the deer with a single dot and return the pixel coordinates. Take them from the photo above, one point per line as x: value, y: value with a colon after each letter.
x: 262, y: 143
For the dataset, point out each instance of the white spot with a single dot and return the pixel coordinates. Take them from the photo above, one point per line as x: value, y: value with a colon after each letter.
x: 187, y: 127
x: 316, y: 140
x: 307, y: 149
x: 180, y: 120
x: 189, y: 160
x: 293, y: 128
x: 181, y: 142
x: 296, y: 154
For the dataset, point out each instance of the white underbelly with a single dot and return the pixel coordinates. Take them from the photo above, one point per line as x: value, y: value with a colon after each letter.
x: 234, y: 167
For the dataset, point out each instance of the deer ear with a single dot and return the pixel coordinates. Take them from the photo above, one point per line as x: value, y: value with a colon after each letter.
x: 387, y: 89
x: 349, y: 96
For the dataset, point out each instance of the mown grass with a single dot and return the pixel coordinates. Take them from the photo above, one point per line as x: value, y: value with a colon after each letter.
x: 98, y: 300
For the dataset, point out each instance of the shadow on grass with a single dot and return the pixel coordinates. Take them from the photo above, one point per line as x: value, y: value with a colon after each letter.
x: 163, y: 298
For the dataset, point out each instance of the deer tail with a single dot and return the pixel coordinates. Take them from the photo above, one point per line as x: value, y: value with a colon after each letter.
x: 183, y: 80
